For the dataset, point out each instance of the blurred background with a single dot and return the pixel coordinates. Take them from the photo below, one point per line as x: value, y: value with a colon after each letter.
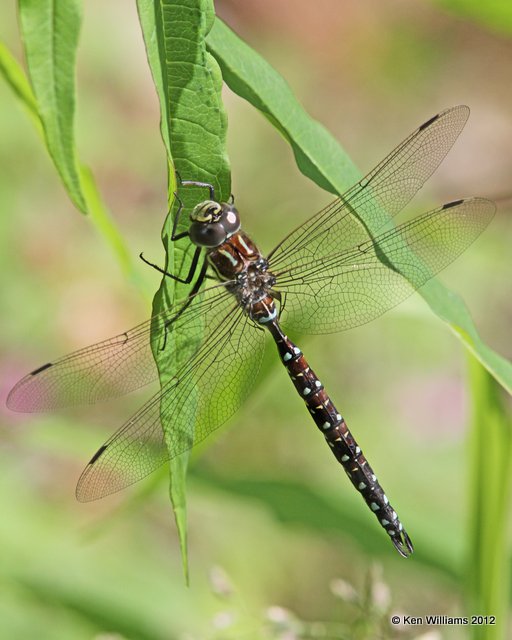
x: 280, y: 543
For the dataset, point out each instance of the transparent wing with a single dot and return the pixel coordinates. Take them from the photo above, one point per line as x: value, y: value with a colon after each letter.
x: 353, y: 287
x: 120, y: 364
x: 381, y: 194
x: 204, y: 393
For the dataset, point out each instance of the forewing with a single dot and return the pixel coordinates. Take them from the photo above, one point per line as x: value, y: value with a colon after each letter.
x: 353, y: 287
x: 120, y: 364
x: 205, y: 392
x: 377, y: 197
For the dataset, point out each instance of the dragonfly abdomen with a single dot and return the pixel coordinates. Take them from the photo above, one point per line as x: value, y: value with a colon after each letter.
x: 340, y: 440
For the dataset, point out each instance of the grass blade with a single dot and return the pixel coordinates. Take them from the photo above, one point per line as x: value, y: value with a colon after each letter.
x: 17, y: 80
x: 489, y: 491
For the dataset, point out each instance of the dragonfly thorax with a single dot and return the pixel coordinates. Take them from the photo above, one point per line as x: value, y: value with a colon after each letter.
x: 254, y: 283
x: 212, y: 223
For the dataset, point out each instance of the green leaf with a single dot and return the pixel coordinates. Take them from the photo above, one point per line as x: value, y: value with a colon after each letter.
x: 103, y: 222
x: 50, y: 30
x: 317, y: 153
x: 321, y: 158
x: 488, y: 563
x: 193, y: 125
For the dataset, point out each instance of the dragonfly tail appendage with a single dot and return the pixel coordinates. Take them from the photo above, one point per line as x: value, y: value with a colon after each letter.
x: 340, y: 440
x: 349, y: 455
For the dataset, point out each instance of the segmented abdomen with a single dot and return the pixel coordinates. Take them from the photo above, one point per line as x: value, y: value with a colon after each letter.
x: 340, y: 440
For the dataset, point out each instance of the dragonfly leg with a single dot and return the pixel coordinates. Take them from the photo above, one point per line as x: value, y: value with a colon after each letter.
x: 191, y: 271
x: 195, y: 183
x: 197, y: 285
x: 174, y: 234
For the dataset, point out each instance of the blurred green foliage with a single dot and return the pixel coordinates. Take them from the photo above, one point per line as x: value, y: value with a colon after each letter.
x: 496, y: 14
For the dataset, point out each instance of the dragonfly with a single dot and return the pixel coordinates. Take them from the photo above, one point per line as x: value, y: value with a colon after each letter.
x: 329, y: 274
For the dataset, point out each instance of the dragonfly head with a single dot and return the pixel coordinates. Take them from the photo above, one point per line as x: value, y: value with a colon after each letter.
x: 212, y: 223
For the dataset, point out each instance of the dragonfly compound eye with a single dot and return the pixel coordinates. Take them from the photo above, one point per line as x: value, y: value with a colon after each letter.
x: 229, y: 219
x: 207, y: 234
